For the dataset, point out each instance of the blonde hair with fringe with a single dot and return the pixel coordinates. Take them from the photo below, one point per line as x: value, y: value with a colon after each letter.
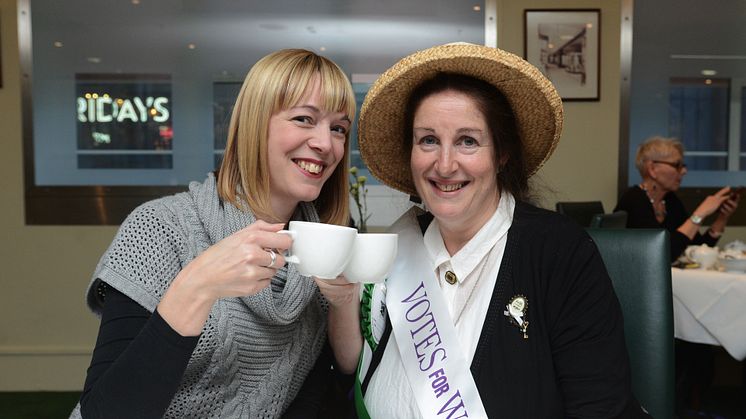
x: 277, y: 82
x: 656, y: 148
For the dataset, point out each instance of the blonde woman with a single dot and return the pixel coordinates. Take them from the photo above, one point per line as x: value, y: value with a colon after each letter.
x: 200, y: 315
x: 654, y: 204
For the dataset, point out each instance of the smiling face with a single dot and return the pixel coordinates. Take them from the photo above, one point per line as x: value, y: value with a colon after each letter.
x: 305, y: 144
x: 453, y: 161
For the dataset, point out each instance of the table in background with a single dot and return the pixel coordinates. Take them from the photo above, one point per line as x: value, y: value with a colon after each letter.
x: 710, y: 307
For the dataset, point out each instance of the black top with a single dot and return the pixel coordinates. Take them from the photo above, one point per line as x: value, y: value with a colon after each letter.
x: 640, y: 214
x: 574, y: 363
x: 139, y: 360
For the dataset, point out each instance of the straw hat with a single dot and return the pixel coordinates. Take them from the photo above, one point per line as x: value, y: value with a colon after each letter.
x: 533, y: 99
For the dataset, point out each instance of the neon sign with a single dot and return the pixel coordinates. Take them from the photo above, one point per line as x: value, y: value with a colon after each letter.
x: 102, y: 108
x: 124, y: 121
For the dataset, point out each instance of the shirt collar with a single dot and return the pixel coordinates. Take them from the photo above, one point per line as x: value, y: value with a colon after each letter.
x: 469, y: 256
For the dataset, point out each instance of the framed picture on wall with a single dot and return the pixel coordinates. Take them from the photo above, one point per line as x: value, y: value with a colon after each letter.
x: 566, y: 46
x: 1, y: 53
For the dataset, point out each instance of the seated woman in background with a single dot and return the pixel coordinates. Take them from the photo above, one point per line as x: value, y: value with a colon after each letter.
x: 654, y: 204
x: 200, y: 315
x: 494, y: 307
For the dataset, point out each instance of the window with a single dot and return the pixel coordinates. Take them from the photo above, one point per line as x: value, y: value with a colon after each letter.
x: 128, y: 101
x: 687, y: 82
x: 698, y: 117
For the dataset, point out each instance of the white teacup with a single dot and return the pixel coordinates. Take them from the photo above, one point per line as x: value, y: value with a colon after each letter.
x: 704, y: 255
x: 318, y: 249
x: 372, y: 257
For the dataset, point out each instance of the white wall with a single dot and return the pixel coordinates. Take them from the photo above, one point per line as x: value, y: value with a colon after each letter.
x: 46, y: 333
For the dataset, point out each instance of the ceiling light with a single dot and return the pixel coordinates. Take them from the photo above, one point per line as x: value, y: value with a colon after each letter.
x: 191, y: 46
x: 58, y: 44
x: 708, y: 81
x: 322, y: 49
x: 707, y: 57
x: 135, y: 2
x: 709, y: 72
x: 477, y: 8
x: 94, y: 60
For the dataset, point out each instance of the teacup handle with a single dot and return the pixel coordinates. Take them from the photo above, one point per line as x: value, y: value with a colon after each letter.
x: 290, y: 258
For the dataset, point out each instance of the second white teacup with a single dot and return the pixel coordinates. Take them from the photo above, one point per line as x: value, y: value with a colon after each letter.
x: 372, y: 257
x: 319, y: 249
x: 704, y: 255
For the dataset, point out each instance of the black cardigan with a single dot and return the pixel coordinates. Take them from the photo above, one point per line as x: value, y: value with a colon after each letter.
x: 640, y: 214
x: 574, y: 363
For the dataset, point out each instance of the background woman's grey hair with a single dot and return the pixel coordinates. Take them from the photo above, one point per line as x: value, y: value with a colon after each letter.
x: 656, y: 148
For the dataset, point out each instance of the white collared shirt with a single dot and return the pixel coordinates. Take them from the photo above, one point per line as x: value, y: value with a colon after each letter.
x: 476, y: 266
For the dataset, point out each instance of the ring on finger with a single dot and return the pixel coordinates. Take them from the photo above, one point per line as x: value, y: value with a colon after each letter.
x: 273, y: 258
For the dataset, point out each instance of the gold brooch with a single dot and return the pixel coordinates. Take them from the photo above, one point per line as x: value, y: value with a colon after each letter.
x: 451, y: 277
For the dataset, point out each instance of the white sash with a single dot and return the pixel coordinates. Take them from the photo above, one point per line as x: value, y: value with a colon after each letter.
x: 428, y: 344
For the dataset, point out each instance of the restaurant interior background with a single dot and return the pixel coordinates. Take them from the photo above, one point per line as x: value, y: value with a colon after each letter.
x: 198, y: 52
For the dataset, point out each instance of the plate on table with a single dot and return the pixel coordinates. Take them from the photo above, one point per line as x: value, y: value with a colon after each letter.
x: 731, y: 264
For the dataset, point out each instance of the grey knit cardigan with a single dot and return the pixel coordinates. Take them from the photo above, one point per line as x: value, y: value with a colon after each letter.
x: 254, y: 352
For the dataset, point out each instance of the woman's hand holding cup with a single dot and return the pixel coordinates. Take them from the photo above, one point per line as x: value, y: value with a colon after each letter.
x: 242, y: 263
x: 344, y: 317
x: 239, y: 265
x: 338, y: 291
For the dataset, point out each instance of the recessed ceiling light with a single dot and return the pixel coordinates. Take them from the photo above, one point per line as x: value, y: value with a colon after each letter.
x: 58, y: 44
x: 709, y: 72
x: 94, y: 60
x: 708, y: 81
x: 135, y: 2
x: 191, y: 46
x: 322, y: 49
x: 477, y: 8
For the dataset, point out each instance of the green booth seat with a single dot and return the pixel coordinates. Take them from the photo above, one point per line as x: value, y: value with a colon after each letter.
x: 580, y: 211
x: 638, y: 264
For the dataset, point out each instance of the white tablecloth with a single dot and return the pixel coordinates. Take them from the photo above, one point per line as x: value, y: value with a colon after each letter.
x: 710, y: 307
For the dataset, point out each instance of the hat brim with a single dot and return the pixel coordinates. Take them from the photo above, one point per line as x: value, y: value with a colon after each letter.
x: 532, y: 97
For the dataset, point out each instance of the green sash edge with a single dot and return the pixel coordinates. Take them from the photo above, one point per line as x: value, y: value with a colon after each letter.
x: 362, y: 412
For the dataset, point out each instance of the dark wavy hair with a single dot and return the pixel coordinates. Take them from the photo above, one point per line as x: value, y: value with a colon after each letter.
x: 512, y: 175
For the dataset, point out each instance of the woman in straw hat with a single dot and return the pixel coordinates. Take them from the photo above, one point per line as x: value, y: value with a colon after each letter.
x: 200, y: 315
x: 493, y: 308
